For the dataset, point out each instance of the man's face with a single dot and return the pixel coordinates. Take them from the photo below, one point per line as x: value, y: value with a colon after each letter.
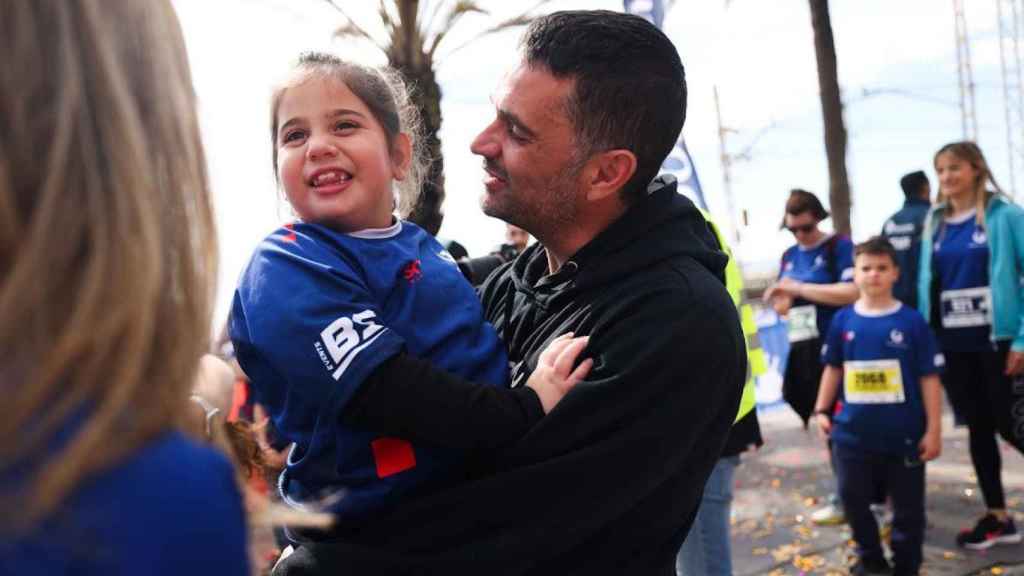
x: 528, y: 151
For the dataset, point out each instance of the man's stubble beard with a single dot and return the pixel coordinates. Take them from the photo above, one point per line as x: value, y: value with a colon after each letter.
x: 552, y: 211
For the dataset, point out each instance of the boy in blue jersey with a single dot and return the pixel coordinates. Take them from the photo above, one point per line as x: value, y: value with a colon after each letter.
x: 882, y: 360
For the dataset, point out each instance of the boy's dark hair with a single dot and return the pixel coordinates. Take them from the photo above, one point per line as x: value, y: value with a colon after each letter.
x: 630, y: 86
x: 877, y: 246
x: 912, y: 184
x: 801, y: 201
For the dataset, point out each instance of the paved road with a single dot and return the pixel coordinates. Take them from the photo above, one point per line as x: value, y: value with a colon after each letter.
x: 778, y: 487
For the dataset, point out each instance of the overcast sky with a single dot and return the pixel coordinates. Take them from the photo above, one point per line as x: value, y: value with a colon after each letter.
x: 896, y: 63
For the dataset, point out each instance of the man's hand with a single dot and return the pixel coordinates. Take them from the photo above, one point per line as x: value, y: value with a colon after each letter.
x: 554, y: 376
x: 1014, y: 363
x: 274, y: 460
x: 215, y: 382
x: 930, y: 446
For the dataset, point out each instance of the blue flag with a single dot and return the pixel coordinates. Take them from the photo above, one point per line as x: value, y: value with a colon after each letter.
x: 678, y: 163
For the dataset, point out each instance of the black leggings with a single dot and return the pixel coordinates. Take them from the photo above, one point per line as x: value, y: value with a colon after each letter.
x: 989, y: 402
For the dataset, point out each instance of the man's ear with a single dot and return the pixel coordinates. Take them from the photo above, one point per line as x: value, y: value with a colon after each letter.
x: 607, y: 172
x: 401, y: 155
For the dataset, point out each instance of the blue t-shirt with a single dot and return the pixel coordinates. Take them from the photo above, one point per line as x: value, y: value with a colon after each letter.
x: 172, y: 508
x: 960, y: 259
x: 883, y: 357
x: 829, y: 262
x: 315, y: 313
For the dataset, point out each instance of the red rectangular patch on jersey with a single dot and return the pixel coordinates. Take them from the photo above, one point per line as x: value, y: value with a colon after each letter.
x: 392, y: 455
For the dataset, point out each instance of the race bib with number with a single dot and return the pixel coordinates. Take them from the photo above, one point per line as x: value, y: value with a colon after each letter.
x: 966, y: 308
x: 873, y: 382
x: 803, y: 323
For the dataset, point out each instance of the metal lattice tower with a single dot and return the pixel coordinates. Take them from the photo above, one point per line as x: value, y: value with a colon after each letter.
x: 964, y: 73
x: 1009, y: 13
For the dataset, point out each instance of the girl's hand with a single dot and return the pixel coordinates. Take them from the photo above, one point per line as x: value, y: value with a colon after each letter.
x: 554, y: 376
x: 930, y: 446
x: 1014, y: 363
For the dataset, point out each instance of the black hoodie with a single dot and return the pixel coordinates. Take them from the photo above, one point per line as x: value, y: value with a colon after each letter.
x: 609, y: 481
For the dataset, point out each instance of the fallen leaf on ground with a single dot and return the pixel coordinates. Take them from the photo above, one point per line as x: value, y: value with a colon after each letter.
x: 808, y: 563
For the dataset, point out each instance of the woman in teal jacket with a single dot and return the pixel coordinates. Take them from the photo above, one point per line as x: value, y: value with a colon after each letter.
x: 972, y: 258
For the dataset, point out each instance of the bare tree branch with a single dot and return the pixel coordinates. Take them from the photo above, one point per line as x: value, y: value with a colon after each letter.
x: 352, y: 29
x: 522, y: 19
x: 382, y: 10
x: 459, y: 10
x: 429, y: 25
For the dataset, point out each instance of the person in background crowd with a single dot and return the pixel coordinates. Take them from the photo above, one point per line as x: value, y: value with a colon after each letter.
x: 706, y: 550
x: 969, y: 285
x: 609, y: 481
x: 516, y: 237
x: 815, y: 279
x: 107, y: 272
x: 904, y: 229
x: 882, y: 360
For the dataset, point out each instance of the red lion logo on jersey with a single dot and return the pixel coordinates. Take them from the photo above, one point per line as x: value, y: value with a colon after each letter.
x: 412, y: 271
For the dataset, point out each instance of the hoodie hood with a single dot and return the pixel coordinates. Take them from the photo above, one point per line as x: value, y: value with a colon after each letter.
x: 663, y: 225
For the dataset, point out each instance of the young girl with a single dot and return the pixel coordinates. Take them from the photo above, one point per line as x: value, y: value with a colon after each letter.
x: 972, y: 262
x: 328, y: 308
x: 107, y: 265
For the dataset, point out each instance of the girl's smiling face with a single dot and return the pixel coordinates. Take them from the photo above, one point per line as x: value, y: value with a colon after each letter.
x: 957, y: 177
x: 334, y: 159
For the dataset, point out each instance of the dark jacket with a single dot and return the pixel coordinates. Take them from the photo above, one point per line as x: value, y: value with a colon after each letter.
x: 609, y: 481
x: 904, y: 229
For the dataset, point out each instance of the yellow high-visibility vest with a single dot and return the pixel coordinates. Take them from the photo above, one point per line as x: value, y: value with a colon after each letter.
x: 756, y: 364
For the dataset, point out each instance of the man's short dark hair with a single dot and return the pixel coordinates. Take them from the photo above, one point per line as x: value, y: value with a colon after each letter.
x: 630, y: 86
x: 877, y: 246
x: 913, y: 183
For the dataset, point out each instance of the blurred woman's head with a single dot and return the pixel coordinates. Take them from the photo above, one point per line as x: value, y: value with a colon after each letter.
x: 107, y: 250
x: 803, y: 213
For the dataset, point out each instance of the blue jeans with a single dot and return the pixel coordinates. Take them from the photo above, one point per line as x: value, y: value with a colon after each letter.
x: 705, y: 552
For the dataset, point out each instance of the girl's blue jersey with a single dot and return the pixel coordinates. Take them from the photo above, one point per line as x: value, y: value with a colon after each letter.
x: 315, y: 313
x: 960, y: 257
x: 883, y: 357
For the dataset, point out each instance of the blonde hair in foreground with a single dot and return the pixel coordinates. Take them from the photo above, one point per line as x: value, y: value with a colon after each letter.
x: 107, y: 249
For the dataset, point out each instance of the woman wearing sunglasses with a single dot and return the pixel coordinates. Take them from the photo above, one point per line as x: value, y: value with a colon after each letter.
x: 815, y: 280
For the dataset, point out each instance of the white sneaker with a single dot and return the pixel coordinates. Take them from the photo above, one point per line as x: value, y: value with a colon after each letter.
x: 883, y: 517
x: 830, y: 515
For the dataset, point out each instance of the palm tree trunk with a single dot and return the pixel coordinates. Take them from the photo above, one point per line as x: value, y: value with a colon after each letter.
x: 832, y: 113
x: 426, y: 95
